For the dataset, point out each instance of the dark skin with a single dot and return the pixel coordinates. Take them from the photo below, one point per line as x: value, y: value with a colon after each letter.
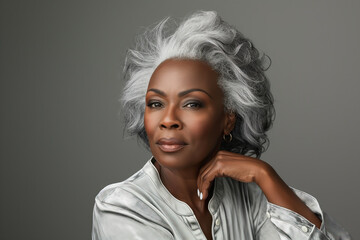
x: 185, y: 122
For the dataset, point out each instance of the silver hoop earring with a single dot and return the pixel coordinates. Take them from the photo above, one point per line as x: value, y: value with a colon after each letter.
x: 227, y: 138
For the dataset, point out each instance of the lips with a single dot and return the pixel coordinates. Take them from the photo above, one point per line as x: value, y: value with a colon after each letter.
x: 170, y: 144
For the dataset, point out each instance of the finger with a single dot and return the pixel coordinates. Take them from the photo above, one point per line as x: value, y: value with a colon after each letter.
x: 207, y: 180
x: 208, y: 177
x: 203, y: 171
x: 218, y: 156
x: 207, y: 165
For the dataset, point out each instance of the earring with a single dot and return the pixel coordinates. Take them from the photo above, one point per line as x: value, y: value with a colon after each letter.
x: 227, y: 138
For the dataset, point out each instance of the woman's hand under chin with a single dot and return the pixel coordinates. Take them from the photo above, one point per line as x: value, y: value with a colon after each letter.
x: 247, y: 169
x: 239, y: 167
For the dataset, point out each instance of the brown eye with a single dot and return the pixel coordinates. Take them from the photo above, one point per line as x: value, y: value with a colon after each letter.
x: 154, y: 105
x: 193, y: 104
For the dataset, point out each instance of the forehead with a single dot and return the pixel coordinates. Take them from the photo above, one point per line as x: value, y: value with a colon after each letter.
x: 182, y: 74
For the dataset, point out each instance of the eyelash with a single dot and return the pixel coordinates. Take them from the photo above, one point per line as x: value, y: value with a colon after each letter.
x: 150, y: 104
x: 198, y: 104
x: 157, y: 104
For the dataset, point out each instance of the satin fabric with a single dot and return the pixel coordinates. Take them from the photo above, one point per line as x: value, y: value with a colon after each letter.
x: 142, y: 208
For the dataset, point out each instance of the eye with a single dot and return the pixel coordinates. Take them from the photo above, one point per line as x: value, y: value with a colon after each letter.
x: 193, y: 104
x: 154, y: 104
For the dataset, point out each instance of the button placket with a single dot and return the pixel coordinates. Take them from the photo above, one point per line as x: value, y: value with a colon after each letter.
x: 216, y: 224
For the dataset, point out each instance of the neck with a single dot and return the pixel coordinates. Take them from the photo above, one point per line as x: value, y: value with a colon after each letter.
x: 182, y: 184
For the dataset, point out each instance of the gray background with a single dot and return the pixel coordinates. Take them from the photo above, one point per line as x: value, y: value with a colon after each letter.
x: 61, y: 130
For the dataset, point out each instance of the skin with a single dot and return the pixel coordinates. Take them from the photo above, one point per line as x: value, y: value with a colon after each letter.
x: 183, y: 101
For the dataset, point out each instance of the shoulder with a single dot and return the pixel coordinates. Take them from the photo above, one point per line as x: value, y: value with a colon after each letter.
x: 136, y: 185
x: 137, y: 197
x: 128, y: 207
x: 134, y: 196
x: 112, y: 193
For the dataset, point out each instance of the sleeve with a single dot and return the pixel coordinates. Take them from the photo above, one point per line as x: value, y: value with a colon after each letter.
x: 113, y: 223
x: 270, y: 218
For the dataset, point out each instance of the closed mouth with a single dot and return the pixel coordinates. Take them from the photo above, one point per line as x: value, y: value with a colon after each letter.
x: 170, y: 144
x: 170, y: 147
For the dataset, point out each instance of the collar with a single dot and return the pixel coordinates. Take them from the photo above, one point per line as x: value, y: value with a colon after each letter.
x: 180, y: 207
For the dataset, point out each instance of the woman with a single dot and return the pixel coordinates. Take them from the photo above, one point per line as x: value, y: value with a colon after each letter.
x: 199, y: 99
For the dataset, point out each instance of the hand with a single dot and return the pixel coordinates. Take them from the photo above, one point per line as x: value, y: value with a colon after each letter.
x: 228, y: 164
x: 247, y: 169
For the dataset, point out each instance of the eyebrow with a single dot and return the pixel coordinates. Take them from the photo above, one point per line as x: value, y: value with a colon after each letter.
x: 180, y: 94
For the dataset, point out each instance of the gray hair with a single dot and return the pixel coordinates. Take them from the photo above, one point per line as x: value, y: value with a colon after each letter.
x: 205, y: 36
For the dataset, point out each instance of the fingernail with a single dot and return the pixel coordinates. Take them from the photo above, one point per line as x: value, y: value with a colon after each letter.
x: 201, y: 196
x: 198, y: 192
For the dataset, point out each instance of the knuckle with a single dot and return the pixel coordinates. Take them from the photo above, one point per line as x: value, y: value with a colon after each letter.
x: 219, y: 165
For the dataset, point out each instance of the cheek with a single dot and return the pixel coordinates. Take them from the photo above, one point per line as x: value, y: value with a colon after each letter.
x: 149, y: 124
x: 206, y: 127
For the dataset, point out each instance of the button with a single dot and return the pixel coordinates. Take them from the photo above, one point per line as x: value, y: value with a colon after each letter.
x: 304, y: 229
x: 268, y: 215
x: 217, y: 222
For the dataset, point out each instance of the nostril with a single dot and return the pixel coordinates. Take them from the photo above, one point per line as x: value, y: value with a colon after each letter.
x: 175, y: 125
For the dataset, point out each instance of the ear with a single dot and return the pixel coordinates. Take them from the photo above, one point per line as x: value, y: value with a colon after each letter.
x: 230, y: 119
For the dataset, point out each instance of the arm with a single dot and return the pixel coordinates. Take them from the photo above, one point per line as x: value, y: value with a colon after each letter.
x: 289, y: 223
x: 279, y: 193
x: 287, y: 206
x: 248, y: 169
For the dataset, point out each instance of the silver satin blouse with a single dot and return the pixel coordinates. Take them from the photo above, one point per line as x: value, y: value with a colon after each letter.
x: 142, y: 208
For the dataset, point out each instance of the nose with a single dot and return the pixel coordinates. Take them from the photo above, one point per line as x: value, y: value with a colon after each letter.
x: 170, y: 119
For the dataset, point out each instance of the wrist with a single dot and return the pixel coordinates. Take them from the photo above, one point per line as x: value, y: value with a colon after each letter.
x: 264, y: 175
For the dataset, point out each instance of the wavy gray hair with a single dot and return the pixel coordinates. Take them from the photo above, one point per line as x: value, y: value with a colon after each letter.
x: 205, y: 36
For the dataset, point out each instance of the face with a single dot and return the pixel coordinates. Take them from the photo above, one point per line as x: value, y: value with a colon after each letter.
x: 184, y: 115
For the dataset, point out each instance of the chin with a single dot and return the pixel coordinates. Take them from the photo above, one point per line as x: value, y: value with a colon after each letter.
x: 175, y: 160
